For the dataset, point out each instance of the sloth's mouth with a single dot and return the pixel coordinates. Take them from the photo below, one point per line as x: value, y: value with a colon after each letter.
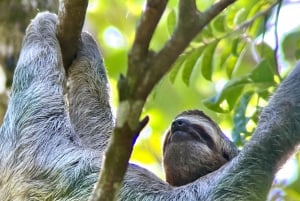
x: 179, y: 136
x: 190, y: 133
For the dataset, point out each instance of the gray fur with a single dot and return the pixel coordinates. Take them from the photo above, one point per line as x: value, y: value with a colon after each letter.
x: 42, y: 157
x: 50, y: 146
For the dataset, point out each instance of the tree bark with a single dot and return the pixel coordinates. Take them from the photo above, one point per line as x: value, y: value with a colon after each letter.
x: 71, y: 16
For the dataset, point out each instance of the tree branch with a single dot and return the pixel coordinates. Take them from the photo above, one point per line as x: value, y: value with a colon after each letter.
x: 116, y: 160
x: 147, y: 24
x: 145, y: 69
x: 215, y: 9
x: 71, y: 16
x: 190, y: 23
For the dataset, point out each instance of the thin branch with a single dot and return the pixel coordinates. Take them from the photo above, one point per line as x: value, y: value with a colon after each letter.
x: 147, y: 24
x: 71, y: 16
x: 241, y: 27
x: 140, y: 49
x: 116, y: 159
x: 215, y: 9
x: 188, y: 14
x: 276, y: 49
x: 249, y: 22
x: 191, y: 23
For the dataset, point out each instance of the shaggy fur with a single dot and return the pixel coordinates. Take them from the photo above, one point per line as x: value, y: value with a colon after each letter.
x: 54, y: 134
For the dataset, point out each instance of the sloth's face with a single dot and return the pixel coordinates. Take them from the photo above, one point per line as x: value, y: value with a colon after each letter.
x: 194, y: 127
x: 194, y: 146
x: 187, y: 128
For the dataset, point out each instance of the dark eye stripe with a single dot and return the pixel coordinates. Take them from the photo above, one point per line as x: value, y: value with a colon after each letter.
x: 204, y: 135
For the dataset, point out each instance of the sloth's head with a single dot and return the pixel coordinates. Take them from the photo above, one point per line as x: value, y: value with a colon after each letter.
x: 194, y: 146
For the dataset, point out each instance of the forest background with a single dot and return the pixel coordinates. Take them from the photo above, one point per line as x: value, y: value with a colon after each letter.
x: 229, y: 71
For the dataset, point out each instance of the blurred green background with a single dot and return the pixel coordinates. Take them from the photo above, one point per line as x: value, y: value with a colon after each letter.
x: 229, y: 70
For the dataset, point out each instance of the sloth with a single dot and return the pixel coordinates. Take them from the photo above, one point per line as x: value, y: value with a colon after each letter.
x: 194, y: 146
x: 51, y: 145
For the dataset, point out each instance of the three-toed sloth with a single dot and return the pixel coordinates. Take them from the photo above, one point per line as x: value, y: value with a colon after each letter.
x: 53, y: 137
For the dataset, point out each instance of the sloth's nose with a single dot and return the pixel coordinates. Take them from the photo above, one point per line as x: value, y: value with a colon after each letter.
x: 179, y: 123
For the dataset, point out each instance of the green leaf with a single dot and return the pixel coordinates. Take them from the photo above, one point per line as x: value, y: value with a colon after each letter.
x: 264, y: 94
x: 176, y: 67
x: 267, y: 53
x: 240, y: 120
x: 171, y: 21
x: 291, y: 46
x: 224, y: 46
x: 240, y: 16
x: 262, y: 73
x: 234, y: 46
x: 219, y: 23
x: 229, y: 18
x: 237, y: 46
x: 189, y: 64
x: 230, y: 64
x: 226, y: 99
x: 258, y: 27
x: 297, y: 54
x: 233, y: 89
x: 207, y: 60
x: 207, y: 32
